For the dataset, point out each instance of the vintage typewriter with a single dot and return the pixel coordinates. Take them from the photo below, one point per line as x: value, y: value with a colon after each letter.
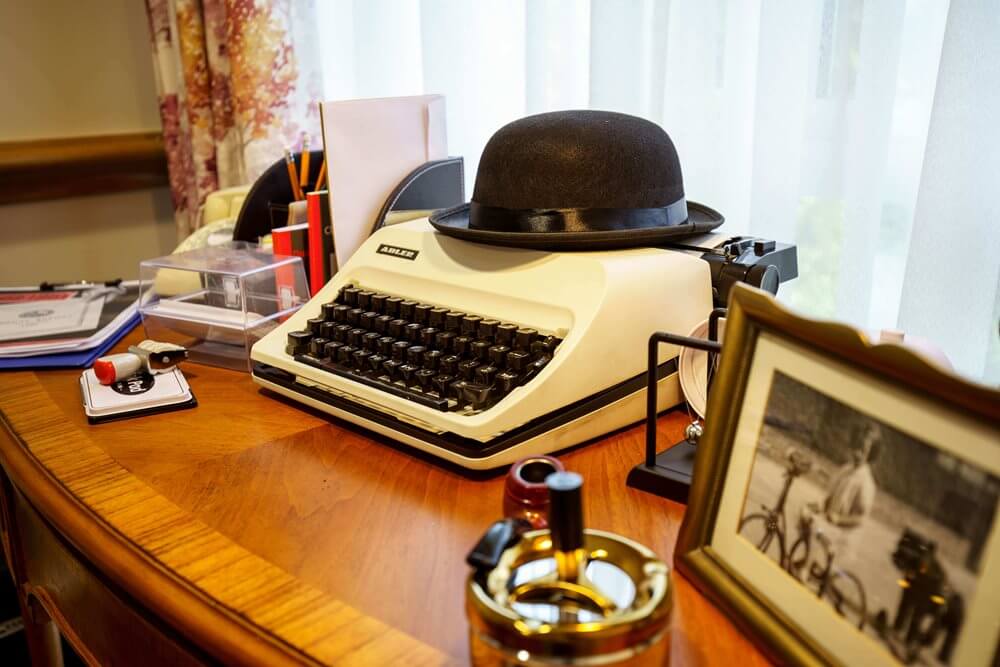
x: 481, y: 355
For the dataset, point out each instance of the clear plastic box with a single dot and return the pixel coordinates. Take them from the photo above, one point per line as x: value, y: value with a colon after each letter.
x: 218, y: 302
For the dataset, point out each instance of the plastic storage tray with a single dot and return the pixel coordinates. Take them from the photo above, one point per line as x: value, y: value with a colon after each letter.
x: 218, y: 302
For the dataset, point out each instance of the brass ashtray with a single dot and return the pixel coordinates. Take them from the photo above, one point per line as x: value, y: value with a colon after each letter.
x: 568, y: 596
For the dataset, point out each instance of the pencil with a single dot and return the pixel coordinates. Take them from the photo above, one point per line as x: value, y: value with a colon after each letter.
x: 321, y: 177
x: 304, y: 172
x: 293, y: 176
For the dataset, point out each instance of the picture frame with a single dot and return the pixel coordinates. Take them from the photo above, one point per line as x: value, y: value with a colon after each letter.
x: 798, y: 409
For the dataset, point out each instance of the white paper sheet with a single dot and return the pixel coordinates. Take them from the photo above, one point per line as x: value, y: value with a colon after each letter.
x: 371, y: 145
x: 48, y: 318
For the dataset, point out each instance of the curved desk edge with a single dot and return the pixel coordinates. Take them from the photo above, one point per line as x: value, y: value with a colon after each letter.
x: 230, y: 602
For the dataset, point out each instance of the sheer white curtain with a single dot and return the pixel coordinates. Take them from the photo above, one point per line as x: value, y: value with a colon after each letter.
x: 815, y: 122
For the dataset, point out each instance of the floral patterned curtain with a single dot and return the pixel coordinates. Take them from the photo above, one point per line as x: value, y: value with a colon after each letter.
x: 238, y: 82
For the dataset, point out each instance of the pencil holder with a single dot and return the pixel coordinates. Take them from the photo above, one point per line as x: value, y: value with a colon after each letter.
x: 269, y: 195
x: 433, y: 185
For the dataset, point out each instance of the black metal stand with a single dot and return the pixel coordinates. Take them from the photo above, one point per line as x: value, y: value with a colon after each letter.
x: 668, y: 474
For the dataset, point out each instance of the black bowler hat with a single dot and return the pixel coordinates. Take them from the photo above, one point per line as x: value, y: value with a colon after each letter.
x: 578, y: 180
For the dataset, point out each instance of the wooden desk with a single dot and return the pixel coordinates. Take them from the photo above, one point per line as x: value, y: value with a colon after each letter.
x: 251, y: 530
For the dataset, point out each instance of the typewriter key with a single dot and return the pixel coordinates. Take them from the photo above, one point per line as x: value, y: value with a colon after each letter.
x: 523, y: 338
x: 375, y: 363
x: 298, y: 342
x: 349, y: 295
x: 475, y: 394
x: 506, y: 381
x: 392, y: 306
x: 414, y: 354
x: 432, y: 358
x: 406, y: 373
x: 505, y: 334
x: 486, y: 374
x: 406, y: 309
x: 498, y: 355
x: 436, y: 317
x: 340, y: 313
x: 442, y: 383
x: 453, y: 320
x: 316, y: 347
x: 449, y: 364
x: 399, y: 350
x: 445, y: 341
x: 461, y: 345
x: 421, y: 312
x: 517, y: 360
x: 470, y: 324
x: 488, y: 329
x: 412, y: 332
x: 340, y: 332
x: 480, y: 349
x: 391, y: 368
x: 467, y: 369
x: 385, y: 345
x: 358, y: 359
x: 428, y: 336
x: 425, y: 379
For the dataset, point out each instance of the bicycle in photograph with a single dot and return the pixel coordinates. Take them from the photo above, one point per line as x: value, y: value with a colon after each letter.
x: 771, y: 520
x: 842, y: 589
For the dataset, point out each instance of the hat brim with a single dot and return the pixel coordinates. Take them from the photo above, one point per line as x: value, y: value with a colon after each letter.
x: 454, y: 222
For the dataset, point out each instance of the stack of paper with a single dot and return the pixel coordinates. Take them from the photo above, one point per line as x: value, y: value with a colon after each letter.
x: 66, y: 327
x: 371, y: 145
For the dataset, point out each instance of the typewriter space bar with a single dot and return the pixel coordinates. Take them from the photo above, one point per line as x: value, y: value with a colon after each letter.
x: 423, y: 399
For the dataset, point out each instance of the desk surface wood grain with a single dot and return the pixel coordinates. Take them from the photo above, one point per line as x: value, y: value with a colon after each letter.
x: 266, y: 532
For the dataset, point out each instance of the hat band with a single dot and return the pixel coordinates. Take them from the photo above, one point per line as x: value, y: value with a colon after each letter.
x: 545, y: 220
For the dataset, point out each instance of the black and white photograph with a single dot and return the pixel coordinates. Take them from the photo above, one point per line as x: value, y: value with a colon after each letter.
x: 886, y: 529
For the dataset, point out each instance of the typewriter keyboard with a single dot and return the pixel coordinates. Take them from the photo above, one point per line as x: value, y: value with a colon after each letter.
x: 435, y: 356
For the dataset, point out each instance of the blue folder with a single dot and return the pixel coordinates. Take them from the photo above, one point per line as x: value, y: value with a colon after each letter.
x: 83, y: 359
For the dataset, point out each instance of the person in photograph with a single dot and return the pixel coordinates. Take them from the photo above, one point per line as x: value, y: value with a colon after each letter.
x: 851, y: 494
x: 840, y: 515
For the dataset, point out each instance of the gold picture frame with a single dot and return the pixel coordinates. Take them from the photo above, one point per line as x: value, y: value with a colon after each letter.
x: 710, y: 551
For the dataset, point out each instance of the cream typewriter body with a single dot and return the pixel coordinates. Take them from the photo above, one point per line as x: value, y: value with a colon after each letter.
x: 481, y: 355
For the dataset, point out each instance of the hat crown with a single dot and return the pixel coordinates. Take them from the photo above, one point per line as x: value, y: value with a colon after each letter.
x: 579, y: 159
